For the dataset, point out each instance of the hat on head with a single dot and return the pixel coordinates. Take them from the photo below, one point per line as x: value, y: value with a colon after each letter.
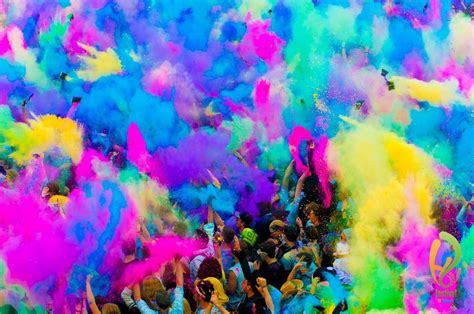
x: 277, y: 225
x: 249, y: 236
x: 290, y: 288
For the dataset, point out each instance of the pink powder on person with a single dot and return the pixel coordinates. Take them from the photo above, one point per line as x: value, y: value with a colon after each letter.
x: 297, y: 135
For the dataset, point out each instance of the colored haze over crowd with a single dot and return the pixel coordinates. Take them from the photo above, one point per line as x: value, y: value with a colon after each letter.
x: 124, y: 113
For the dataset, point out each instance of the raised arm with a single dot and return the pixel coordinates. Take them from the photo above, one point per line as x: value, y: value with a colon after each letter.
x: 179, y: 274
x: 292, y: 274
x: 218, y: 220
x: 286, y: 177
x: 300, y: 184
x: 137, y: 296
x: 127, y: 297
x: 90, y: 296
x: 215, y: 301
x: 263, y: 289
x: 210, y: 213
x: 242, y: 260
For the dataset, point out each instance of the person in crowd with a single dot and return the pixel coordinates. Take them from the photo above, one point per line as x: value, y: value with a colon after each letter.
x: 267, y: 264
x: 163, y: 300
x: 108, y: 308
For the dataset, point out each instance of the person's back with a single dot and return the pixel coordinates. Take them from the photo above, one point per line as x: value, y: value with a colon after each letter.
x: 238, y: 296
x: 252, y: 305
x: 274, y: 273
x: 262, y: 227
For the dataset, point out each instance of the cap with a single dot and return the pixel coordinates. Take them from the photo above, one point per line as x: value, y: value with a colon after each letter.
x: 290, y: 288
x: 277, y: 225
x: 249, y: 236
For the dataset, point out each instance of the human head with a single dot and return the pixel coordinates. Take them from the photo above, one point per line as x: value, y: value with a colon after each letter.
x: 150, y: 287
x: 291, y: 233
x: 311, y: 233
x: 290, y: 288
x: 217, y: 287
x: 264, y: 207
x: 315, y: 211
x: 249, y: 236
x: 52, y: 188
x: 163, y: 299
x: 210, y: 267
x: 201, y: 236
x: 249, y: 285
x: 244, y: 250
x: 280, y: 214
x: 128, y: 250
x: 110, y: 308
x: 267, y: 250
x: 244, y: 221
x: 276, y: 229
x: 228, y: 234
x: 306, y: 257
x: 205, y: 289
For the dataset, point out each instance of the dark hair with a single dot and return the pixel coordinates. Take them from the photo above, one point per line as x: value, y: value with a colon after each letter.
x: 264, y: 207
x: 280, y: 214
x: 206, y: 288
x: 307, y: 257
x: 210, y: 267
x: 252, y: 280
x: 244, y: 249
x: 128, y: 246
x: 189, y: 291
x: 201, y: 236
x: 268, y: 247
x: 311, y: 233
x: 246, y: 219
x: 53, y: 188
x: 228, y: 234
x: 291, y: 232
x: 316, y: 208
x: 163, y: 299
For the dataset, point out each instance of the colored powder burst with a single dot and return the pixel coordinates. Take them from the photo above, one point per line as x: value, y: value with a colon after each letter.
x: 172, y: 92
x: 41, y: 135
x: 241, y: 130
x: 434, y: 92
x: 380, y: 200
x: 98, y: 63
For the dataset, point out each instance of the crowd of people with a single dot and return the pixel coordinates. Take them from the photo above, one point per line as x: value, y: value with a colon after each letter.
x: 291, y: 258
x: 175, y: 87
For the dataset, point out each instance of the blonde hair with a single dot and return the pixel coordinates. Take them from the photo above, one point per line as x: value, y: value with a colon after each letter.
x: 110, y: 308
x: 150, y: 287
x: 290, y: 288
